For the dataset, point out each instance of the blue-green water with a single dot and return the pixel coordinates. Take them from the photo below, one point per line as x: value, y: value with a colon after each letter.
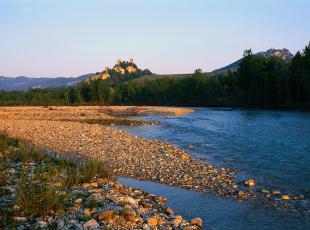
x: 273, y: 147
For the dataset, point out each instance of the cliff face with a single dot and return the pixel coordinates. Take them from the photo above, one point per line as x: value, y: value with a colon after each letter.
x: 285, y: 54
x: 121, y: 71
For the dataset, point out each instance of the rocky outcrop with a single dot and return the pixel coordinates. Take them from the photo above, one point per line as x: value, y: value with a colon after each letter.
x: 285, y: 54
x: 121, y: 71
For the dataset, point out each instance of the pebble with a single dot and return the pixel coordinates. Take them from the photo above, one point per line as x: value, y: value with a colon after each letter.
x: 19, y: 218
x: 197, y: 222
x: 85, y: 185
x: 152, y: 222
x: 177, y: 221
x: 240, y: 195
x: 249, y: 183
x: 91, y: 224
x: 60, y: 224
x: 87, y: 212
x: 106, y: 215
x: 42, y: 224
x: 190, y: 228
x: 94, y: 184
x: 169, y: 211
x: 95, y: 190
x: 79, y: 200
x: 129, y: 214
x: 12, y: 171
x: 130, y: 200
x: 283, y: 205
x: 78, y: 226
x: 285, y: 197
x: 146, y: 227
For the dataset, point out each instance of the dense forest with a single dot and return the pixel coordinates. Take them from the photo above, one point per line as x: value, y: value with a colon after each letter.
x: 258, y: 82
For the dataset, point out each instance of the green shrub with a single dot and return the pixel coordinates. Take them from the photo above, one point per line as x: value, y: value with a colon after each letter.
x: 36, y: 196
x: 27, y: 153
x: 83, y: 171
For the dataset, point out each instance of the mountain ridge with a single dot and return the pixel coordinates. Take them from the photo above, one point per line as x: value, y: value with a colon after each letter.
x: 284, y: 53
x: 22, y: 83
x: 121, y: 71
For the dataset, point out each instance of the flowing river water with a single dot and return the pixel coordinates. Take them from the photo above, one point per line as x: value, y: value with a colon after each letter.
x: 272, y: 147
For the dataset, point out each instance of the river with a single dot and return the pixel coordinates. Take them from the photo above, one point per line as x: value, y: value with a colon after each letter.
x: 272, y: 147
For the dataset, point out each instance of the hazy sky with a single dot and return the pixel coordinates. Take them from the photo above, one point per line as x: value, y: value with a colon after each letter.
x: 74, y: 37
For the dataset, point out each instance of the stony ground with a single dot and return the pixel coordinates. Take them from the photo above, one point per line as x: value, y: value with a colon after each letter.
x: 102, y: 203
x: 127, y: 155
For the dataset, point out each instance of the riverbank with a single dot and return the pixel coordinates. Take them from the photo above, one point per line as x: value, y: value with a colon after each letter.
x: 56, y: 128
x: 43, y: 192
x: 88, y: 132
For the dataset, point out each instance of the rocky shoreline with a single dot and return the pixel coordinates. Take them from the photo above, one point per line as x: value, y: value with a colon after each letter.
x: 128, y: 156
x: 101, y: 203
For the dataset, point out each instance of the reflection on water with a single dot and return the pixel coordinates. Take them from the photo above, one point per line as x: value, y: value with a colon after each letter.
x: 273, y: 147
x: 222, y: 213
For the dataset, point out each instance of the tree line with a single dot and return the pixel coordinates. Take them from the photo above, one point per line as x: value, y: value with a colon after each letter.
x: 258, y: 82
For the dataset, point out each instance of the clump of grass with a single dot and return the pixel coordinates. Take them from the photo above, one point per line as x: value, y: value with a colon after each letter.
x: 2, y: 179
x: 36, y: 196
x: 90, y: 169
x: 7, y: 142
x: 6, y: 215
x: 3, y: 140
x: 37, y: 193
x: 77, y: 172
x: 20, y: 150
x: 27, y: 153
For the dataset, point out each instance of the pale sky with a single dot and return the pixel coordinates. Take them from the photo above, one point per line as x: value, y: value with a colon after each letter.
x: 52, y: 38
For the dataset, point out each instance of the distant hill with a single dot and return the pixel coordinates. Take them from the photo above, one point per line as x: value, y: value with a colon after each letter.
x: 285, y: 54
x: 24, y: 83
x: 121, y: 71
